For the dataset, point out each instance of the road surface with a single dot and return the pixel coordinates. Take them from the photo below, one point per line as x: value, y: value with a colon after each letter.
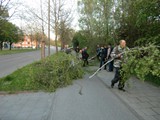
x: 10, y: 63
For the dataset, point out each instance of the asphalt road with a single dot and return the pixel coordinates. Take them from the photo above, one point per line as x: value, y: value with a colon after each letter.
x: 10, y: 63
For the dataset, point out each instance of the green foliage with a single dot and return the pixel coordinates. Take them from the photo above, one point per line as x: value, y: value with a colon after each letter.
x: 9, y: 32
x: 3, y: 12
x: 95, y: 20
x: 153, y: 79
x: 80, y: 40
x: 49, y: 74
x: 106, y: 21
x: 149, y: 40
x: 141, y: 62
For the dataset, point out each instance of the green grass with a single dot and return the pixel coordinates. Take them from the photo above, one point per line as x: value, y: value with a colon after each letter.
x: 48, y: 75
x: 19, y: 80
x: 14, y: 51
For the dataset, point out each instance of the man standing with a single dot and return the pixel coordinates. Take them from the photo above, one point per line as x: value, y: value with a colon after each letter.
x: 105, y: 56
x: 85, y: 56
x: 117, y: 54
x: 102, y: 56
x: 110, y: 65
x: 98, y: 52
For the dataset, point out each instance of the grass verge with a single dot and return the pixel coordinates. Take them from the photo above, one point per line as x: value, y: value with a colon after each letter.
x: 14, y: 51
x: 56, y: 71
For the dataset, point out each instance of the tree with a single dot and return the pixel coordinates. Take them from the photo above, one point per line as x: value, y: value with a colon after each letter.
x: 80, y: 40
x: 5, y: 6
x: 61, y: 18
x: 11, y: 33
x: 111, y: 20
x: 95, y: 20
x: 3, y: 16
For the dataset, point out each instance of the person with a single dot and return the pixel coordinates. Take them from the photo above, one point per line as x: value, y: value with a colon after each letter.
x: 85, y: 56
x: 80, y: 55
x: 117, y: 54
x: 67, y: 50
x: 102, y: 56
x: 98, y: 52
x: 77, y: 49
x: 105, y: 56
x: 110, y: 64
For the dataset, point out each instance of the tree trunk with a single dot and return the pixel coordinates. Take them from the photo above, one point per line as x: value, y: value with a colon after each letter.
x: 10, y: 46
x: 56, y: 40
x: 1, y: 45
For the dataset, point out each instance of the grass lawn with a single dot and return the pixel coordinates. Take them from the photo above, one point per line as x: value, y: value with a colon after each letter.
x: 14, y: 51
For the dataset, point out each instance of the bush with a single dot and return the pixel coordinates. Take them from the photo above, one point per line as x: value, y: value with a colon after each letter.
x: 57, y: 71
x: 153, y: 79
x: 53, y: 72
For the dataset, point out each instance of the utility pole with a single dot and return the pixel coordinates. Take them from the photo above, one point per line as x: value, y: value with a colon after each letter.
x: 42, y: 42
x: 48, y: 27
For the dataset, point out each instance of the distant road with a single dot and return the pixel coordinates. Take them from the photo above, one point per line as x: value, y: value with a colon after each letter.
x: 10, y: 63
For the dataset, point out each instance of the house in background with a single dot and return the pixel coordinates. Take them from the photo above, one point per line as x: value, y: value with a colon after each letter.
x: 27, y: 43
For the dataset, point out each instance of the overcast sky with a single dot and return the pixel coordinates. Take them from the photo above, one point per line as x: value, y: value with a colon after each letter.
x: 36, y: 5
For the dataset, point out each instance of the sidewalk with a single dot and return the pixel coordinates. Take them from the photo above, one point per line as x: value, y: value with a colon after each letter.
x: 96, y: 102
x: 142, y: 97
x: 86, y: 99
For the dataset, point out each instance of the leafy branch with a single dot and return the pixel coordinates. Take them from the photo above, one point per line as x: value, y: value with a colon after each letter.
x: 140, y: 62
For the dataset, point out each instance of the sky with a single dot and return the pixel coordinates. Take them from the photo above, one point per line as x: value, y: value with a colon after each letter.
x: 36, y: 5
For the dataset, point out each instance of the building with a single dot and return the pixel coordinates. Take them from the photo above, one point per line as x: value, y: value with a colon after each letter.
x: 27, y: 43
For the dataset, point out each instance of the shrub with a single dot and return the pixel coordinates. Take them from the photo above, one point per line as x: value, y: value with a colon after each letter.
x: 57, y: 71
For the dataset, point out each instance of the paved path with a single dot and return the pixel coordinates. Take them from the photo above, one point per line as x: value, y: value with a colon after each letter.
x: 96, y: 102
x: 142, y: 97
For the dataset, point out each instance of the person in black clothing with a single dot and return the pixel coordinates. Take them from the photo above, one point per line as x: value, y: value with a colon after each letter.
x: 98, y: 52
x: 102, y: 56
x: 85, y: 56
x: 105, y: 56
x: 110, y: 65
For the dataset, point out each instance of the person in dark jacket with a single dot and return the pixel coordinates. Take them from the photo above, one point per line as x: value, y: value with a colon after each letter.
x: 110, y: 65
x: 85, y: 56
x: 102, y: 56
x: 105, y: 56
x: 98, y: 52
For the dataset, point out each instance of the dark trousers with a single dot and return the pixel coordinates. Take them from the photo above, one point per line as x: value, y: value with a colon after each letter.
x: 118, y: 78
x: 85, y: 62
x: 101, y: 62
x: 98, y: 58
x: 105, y: 67
x: 110, y: 66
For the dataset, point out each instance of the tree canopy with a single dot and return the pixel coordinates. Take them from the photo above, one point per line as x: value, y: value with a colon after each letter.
x: 108, y: 21
x: 8, y: 31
